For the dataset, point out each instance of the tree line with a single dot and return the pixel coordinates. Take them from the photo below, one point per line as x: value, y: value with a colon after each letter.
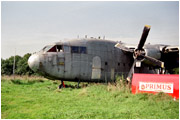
x: 21, y: 65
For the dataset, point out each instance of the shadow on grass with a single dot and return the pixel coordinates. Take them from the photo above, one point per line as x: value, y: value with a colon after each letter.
x: 25, y: 82
x: 76, y: 87
x: 70, y: 85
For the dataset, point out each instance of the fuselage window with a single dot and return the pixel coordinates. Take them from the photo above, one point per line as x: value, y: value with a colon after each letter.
x: 75, y: 49
x: 82, y: 49
x: 66, y: 48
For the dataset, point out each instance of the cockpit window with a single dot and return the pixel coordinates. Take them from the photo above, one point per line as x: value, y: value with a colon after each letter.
x: 55, y: 48
x: 59, y: 48
x: 47, y: 48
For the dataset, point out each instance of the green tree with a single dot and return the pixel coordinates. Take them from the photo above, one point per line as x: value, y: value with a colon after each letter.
x: 7, y: 65
x: 22, y: 66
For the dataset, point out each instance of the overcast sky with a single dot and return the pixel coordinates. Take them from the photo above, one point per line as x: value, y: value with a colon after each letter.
x: 29, y: 26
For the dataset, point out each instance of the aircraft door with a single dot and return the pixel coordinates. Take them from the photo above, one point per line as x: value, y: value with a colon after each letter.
x: 96, y: 68
x: 54, y: 60
x: 60, y: 63
x: 67, y: 58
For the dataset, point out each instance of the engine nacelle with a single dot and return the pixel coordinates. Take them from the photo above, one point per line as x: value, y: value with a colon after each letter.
x: 152, y: 52
x: 155, y: 53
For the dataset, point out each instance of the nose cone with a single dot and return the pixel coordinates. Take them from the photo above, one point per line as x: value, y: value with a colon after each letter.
x: 33, y: 62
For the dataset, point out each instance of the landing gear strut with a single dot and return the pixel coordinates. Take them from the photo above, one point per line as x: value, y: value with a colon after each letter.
x: 62, y: 85
x: 162, y: 70
x: 78, y: 84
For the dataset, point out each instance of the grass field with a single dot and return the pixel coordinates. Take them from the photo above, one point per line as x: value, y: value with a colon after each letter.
x: 39, y: 98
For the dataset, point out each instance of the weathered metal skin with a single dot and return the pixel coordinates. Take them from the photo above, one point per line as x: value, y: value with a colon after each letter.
x: 101, y: 62
x: 87, y: 60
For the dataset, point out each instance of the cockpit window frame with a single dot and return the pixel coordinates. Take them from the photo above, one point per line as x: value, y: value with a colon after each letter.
x: 48, y: 47
x: 66, y: 48
x: 58, y: 48
x: 53, y: 49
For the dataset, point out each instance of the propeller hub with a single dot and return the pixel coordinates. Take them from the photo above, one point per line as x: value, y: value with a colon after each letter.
x: 138, y: 53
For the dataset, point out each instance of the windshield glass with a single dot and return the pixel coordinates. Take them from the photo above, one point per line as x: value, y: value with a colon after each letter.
x: 47, y: 48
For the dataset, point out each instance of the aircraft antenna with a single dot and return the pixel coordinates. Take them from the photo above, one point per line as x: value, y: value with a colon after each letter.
x: 14, y: 64
x: 104, y: 37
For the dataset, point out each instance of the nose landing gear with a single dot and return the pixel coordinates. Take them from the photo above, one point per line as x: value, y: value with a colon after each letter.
x: 62, y: 85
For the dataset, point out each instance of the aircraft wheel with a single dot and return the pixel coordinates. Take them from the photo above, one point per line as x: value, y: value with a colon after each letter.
x: 61, y: 86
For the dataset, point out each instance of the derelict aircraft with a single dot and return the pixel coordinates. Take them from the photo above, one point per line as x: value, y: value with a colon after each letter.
x: 100, y: 60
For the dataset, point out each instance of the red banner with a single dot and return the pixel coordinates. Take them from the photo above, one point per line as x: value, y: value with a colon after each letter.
x: 154, y: 83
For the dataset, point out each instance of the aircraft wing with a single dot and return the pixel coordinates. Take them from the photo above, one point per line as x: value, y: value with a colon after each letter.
x: 165, y: 53
x: 125, y: 47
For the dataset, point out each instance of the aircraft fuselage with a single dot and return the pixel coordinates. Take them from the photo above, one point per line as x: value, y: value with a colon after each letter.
x: 82, y: 59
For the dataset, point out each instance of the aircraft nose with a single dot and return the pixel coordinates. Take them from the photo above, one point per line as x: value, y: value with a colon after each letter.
x: 33, y: 62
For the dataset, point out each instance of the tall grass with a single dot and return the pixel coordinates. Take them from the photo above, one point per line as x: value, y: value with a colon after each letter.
x: 30, y: 98
x: 22, y: 77
x: 120, y: 85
